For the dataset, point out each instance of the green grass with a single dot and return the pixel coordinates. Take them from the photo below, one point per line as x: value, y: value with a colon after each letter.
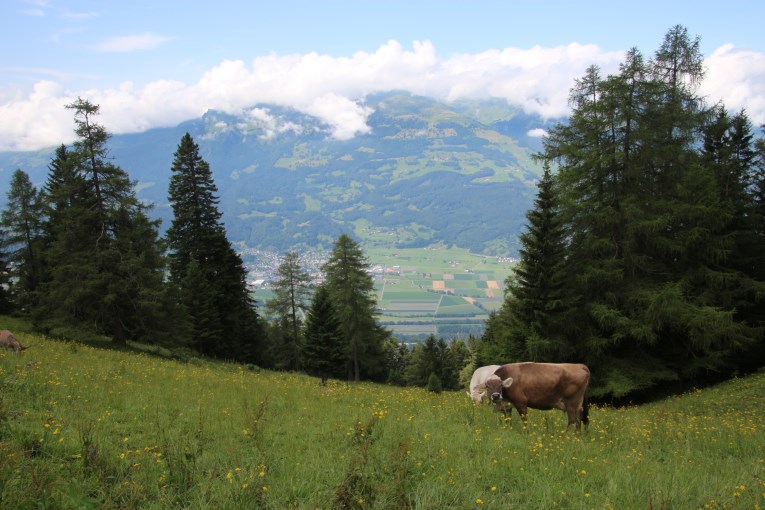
x: 83, y: 427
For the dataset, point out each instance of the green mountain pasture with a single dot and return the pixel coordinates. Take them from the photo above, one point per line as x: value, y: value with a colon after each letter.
x: 85, y: 427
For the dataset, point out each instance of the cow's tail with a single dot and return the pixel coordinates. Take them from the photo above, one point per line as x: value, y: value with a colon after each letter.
x: 586, y: 410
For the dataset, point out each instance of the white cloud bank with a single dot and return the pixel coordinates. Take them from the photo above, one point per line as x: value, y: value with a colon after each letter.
x: 332, y: 88
x: 737, y: 77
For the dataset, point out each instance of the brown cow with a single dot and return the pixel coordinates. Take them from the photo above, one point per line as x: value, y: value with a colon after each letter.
x: 543, y: 386
x: 9, y: 341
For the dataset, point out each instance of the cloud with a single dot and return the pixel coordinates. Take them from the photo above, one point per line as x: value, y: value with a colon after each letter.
x: 736, y: 76
x: 537, y: 133
x: 36, y: 121
x: 333, y: 89
x: 130, y: 43
x: 270, y: 125
x: 346, y: 117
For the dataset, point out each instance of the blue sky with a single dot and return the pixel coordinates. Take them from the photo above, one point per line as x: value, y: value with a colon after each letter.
x: 159, y: 62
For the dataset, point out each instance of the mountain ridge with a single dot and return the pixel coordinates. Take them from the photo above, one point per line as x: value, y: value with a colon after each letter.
x: 426, y: 172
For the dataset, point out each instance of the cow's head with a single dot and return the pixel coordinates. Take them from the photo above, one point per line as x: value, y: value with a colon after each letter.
x: 494, y: 386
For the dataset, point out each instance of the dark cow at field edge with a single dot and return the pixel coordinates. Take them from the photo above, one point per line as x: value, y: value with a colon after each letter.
x: 8, y: 340
x: 543, y: 386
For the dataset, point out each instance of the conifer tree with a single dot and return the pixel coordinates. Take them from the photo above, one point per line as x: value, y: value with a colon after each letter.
x: 428, y: 357
x: 351, y: 287
x: 499, y: 341
x: 322, y: 353
x: 6, y: 305
x: 397, y: 356
x: 457, y: 357
x: 757, y: 212
x: 652, y: 222
x: 22, y: 222
x: 539, y: 308
x: 208, y: 273
x: 291, y: 295
x: 103, y: 256
x: 63, y: 194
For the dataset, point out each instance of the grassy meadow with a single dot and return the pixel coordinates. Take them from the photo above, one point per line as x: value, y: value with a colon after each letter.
x: 86, y: 427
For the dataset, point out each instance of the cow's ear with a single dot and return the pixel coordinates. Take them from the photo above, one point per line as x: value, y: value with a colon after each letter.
x: 507, y: 382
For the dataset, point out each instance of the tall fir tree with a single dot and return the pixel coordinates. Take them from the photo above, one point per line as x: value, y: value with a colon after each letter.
x: 757, y: 212
x: 291, y: 290
x: 22, y: 222
x: 103, y: 255
x: 540, y: 306
x: 322, y: 353
x: 6, y: 303
x: 208, y: 273
x: 351, y: 289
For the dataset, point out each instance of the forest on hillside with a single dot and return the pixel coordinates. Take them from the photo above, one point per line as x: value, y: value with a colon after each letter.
x: 642, y: 255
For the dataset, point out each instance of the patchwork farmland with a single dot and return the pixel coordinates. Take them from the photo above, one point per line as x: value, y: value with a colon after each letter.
x: 445, y: 292
x: 448, y: 292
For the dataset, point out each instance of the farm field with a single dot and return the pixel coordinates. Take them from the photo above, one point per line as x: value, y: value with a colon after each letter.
x: 447, y: 292
x: 86, y: 427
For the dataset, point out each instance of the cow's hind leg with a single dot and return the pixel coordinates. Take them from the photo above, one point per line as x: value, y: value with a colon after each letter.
x: 574, y: 413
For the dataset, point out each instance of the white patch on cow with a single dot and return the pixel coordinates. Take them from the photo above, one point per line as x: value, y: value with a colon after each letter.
x: 478, y: 382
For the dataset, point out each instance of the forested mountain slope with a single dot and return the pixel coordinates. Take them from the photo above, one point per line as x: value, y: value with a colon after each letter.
x: 426, y: 172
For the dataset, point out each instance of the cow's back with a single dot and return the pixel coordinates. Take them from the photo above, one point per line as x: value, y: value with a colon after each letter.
x: 9, y: 341
x: 6, y: 337
x: 545, y: 385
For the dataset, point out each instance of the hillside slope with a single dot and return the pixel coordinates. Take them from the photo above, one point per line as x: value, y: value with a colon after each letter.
x: 82, y: 427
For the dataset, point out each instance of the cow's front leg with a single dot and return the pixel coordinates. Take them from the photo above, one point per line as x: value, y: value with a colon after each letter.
x: 507, y: 409
x: 523, y: 411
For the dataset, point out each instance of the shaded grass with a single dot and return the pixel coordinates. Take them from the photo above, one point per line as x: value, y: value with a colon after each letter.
x: 82, y: 427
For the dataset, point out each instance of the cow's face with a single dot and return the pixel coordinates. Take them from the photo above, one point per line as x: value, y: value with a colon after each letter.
x: 494, y: 386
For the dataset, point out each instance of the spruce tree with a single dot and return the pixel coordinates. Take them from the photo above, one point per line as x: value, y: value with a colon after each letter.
x: 291, y: 295
x: 6, y: 304
x: 22, y: 222
x: 351, y: 288
x: 540, y: 308
x: 757, y: 213
x: 103, y: 256
x: 208, y: 273
x: 322, y: 353
x: 397, y: 356
x: 433, y: 357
